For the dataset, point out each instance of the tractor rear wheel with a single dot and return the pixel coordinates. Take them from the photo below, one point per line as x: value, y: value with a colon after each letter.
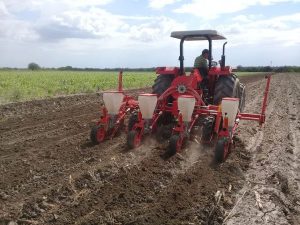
x: 221, y: 150
x: 162, y: 83
x: 229, y: 86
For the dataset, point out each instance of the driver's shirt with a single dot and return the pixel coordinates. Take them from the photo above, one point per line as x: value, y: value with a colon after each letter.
x: 200, y: 62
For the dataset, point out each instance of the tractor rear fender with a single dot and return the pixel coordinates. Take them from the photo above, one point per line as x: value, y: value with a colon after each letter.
x: 168, y: 70
x: 227, y: 70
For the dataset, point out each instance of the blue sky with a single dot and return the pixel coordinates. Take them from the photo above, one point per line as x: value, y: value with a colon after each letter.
x: 136, y: 33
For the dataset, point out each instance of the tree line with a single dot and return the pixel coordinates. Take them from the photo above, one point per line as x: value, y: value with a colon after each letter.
x: 34, y: 66
x: 278, y: 69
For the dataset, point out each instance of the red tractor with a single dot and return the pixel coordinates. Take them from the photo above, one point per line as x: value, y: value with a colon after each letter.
x: 181, y: 104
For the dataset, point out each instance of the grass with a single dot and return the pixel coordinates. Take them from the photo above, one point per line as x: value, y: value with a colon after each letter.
x: 20, y: 85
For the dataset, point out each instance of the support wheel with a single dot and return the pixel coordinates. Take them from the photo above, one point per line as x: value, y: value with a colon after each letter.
x: 133, y: 139
x: 164, y: 132
x: 221, y: 150
x: 175, y: 145
x: 97, y: 134
x: 133, y: 119
x: 208, y: 129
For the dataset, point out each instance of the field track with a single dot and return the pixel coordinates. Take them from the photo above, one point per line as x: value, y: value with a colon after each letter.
x: 51, y: 174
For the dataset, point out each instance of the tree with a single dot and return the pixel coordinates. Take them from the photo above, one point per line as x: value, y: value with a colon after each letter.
x: 33, y: 66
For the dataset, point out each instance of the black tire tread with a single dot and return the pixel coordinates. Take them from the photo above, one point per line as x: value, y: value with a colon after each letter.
x: 219, y: 151
x: 162, y: 83
x: 207, y: 129
x: 132, y: 120
x: 130, y: 139
x: 93, y: 135
x: 229, y: 86
x: 225, y: 87
x: 173, y: 145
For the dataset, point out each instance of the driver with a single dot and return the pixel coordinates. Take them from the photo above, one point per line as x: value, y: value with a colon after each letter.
x: 201, y: 64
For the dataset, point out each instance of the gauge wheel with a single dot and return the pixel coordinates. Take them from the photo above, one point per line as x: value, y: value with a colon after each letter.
x: 221, y: 150
x: 175, y: 145
x: 97, y: 134
x: 133, y: 139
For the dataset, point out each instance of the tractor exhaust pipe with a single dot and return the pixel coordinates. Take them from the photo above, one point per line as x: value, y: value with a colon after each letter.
x: 223, y: 57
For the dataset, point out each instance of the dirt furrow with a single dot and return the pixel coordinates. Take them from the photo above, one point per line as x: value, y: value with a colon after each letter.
x: 266, y: 198
x: 12, y: 137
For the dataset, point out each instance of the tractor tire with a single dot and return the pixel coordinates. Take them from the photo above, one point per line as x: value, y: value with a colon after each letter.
x: 228, y: 86
x: 162, y: 83
x: 133, y: 119
x: 164, y: 132
x: 165, y: 124
x: 133, y: 140
x: 174, y: 145
x: 221, y: 150
x: 94, y: 135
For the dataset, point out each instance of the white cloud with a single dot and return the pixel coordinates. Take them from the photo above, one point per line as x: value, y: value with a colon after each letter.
x: 14, y: 29
x: 81, y: 19
x: 86, y: 3
x: 3, y: 10
x: 45, y: 5
x: 282, y: 30
x: 289, y: 18
x: 99, y: 23
x: 155, y: 30
x: 24, y: 30
x: 95, y: 21
x: 214, y: 8
x: 159, y: 4
x: 17, y: 30
x: 246, y: 18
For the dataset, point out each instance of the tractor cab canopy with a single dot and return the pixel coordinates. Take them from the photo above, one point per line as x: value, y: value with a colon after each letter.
x: 197, y: 35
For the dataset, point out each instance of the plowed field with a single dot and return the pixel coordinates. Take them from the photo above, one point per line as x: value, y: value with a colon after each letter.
x: 52, y: 174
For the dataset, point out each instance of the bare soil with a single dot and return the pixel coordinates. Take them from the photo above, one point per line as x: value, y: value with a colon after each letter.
x: 52, y: 174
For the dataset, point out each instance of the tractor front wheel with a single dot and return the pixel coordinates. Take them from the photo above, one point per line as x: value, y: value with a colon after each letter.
x: 221, y: 150
x: 97, y: 134
x: 134, y: 139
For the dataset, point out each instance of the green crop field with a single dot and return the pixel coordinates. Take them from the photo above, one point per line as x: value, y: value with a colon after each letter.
x: 20, y: 85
